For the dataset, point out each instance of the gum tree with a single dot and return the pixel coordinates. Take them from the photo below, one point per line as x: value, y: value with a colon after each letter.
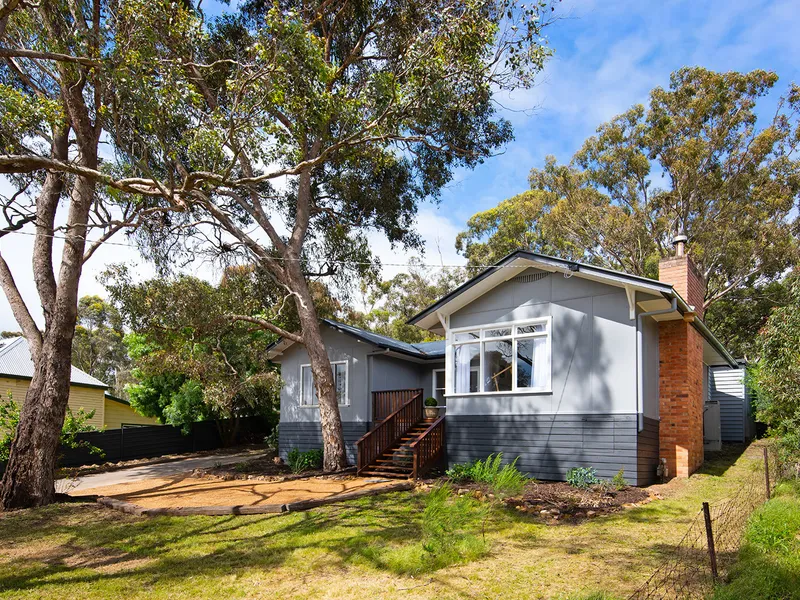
x: 54, y: 102
x: 287, y: 131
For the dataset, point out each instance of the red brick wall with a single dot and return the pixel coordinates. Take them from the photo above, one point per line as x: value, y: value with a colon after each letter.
x: 681, y: 373
x: 680, y: 272
x: 680, y: 397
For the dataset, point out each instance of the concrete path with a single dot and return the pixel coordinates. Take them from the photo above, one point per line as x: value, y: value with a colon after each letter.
x: 167, y: 469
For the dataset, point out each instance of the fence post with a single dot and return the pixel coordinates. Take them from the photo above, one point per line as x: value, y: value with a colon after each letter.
x: 766, y: 470
x: 712, y: 553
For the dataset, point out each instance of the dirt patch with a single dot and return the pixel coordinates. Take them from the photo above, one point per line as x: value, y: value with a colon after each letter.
x: 194, y: 491
x: 560, y: 500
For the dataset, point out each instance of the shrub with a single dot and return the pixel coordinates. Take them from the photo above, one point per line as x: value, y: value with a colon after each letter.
x: 272, y: 439
x: 582, y: 477
x: 431, y: 401
x: 618, y: 481
x: 304, y: 461
x: 505, y: 480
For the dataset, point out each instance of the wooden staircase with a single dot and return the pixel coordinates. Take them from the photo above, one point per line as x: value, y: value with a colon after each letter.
x: 402, y: 446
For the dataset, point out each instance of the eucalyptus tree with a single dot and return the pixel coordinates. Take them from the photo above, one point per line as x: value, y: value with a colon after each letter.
x: 54, y: 101
x: 287, y: 131
x: 694, y: 161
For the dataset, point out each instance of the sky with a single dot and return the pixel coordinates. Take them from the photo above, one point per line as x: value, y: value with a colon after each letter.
x: 608, y: 56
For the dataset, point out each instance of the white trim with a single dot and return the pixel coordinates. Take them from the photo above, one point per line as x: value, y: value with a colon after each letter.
x: 346, y: 364
x: 513, y: 337
x: 433, y: 382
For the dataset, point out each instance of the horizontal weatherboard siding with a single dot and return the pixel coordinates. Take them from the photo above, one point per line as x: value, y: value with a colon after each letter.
x: 647, y: 452
x: 308, y: 436
x: 549, y: 445
x: 727, y: 386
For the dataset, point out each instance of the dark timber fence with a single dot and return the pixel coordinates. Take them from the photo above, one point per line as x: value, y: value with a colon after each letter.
x: 131, y: 443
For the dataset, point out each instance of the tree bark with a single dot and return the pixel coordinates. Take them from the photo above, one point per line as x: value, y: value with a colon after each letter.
x: 335, y: 453
x: 29, y: 479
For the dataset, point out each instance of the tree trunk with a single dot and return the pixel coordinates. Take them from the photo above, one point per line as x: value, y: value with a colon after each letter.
x: 29, y: 477
x: 333, y: 445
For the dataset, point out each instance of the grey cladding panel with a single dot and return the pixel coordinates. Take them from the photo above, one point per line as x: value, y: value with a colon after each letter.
x: 548, y: 445
x: 308, y: 436
x: 727, y: 386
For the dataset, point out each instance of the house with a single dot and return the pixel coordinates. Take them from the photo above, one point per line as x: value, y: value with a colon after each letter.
x: 560, y: 363
x: 86, y: 392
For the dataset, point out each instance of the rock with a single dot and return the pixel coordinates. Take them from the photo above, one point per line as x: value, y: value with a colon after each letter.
x: 579, y: 515
x: 463, y: 491
x: 277, y: 460
x: 521, y: 508
x: 591, y: 514
x: 544, y: 512
x: 555, y: 511
x: 490, y: 496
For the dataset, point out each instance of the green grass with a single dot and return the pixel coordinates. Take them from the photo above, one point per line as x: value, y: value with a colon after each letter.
x: 393, y: 546
x: 769, y: 560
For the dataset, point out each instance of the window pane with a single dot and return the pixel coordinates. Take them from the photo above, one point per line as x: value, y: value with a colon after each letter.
x: 309, y: 393
x: 340, y: 382
x: 532, y: 363
x: 497, y: 366
x: 439, y: 375
x: 466, y: 337
x: 467, y: 362
x: 537, y: 328
x: 493, y: 333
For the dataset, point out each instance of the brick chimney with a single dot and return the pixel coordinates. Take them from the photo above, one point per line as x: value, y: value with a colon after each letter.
x: 681, y: 369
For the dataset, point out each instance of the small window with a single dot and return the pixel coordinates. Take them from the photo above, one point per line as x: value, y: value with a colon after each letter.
x: 495, y: 333
x: 438, y: 385
x: 468, y: 336
x: 467, y: 364
x: 497, y: 363
x: 535, y: 328
x: 308, y: 391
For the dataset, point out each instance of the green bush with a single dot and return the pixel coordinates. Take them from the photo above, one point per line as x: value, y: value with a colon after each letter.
x: 304, y: 461
x: 431, y: 401
x: 582, y: 477
x: 618, y: 481
x: 272, y: 439
x: 502, y: 479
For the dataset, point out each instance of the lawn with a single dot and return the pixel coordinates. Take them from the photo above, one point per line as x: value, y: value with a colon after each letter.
x: 769, y: 562
x: 368, y: 548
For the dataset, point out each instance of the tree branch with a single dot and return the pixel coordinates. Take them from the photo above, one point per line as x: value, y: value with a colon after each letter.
x: 268, y: 326
x: 20, y: 310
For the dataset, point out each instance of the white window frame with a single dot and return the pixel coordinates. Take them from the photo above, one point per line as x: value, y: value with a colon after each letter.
x: 346, y: 364
x: 482, y: 338
x: 433, y: 383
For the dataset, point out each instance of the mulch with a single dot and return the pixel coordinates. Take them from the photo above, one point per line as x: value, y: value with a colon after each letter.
x: 559, y: 501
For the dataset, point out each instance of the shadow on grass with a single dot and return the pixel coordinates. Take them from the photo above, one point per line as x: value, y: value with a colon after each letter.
x: 381, y: 533
x: 717, y: 463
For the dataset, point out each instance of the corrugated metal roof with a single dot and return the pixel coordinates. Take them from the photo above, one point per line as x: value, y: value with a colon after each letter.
x: 426, y: 350
x: 15, y: 361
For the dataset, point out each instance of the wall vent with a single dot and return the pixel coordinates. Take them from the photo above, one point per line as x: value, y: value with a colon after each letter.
x: 530, y: 278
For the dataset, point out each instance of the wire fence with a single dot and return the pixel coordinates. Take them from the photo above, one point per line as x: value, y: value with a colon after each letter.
x: 710, y: 546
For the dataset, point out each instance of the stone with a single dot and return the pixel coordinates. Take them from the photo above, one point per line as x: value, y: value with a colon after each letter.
x: 544, y: 512
x: 591, y: 514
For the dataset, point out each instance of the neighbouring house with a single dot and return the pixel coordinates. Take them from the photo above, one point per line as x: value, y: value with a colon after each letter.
x: 560, y: 363
x: 86, y: 392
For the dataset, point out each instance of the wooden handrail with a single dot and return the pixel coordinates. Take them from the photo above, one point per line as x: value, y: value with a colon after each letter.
x: 428, y: 448
x: 385, y: 402
x: 377, y: 441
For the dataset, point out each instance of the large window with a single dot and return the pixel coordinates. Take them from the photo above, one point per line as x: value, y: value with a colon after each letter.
x: 502, y: 358
x: 308, y: 391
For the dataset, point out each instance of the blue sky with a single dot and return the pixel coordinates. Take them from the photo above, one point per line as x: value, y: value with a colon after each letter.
x: 609, y: 55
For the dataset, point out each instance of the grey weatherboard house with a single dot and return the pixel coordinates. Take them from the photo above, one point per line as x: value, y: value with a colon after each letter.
x: 560, y: 363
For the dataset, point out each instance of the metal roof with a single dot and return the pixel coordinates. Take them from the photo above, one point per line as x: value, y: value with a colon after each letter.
x: 421, y: 350
x: 15, y: 361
